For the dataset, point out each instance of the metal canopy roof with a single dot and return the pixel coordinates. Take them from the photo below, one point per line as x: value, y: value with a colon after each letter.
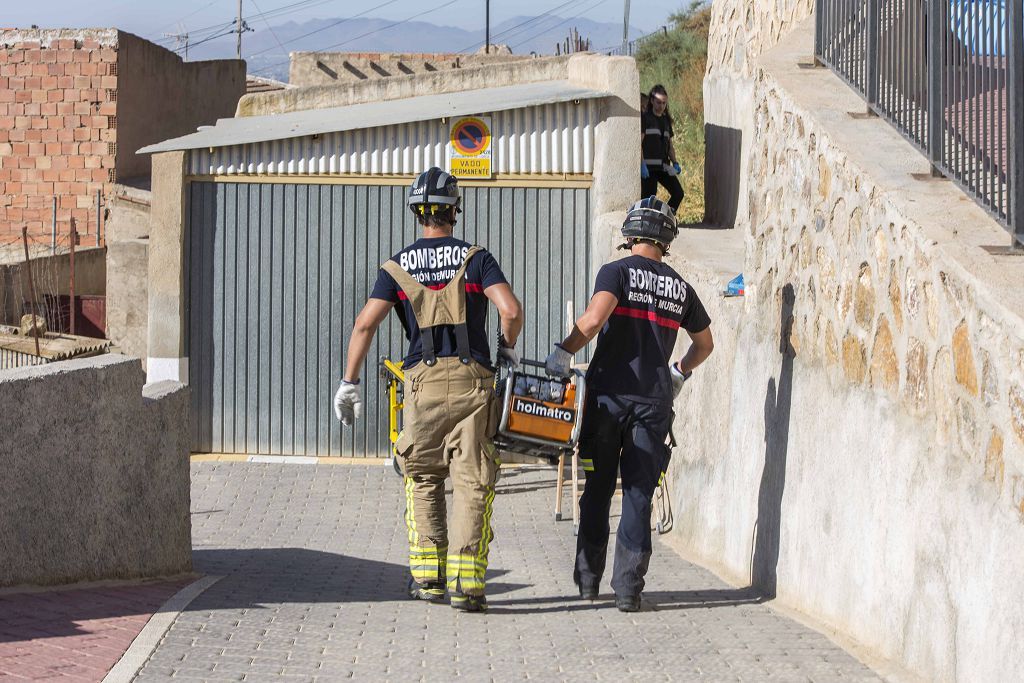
x: 251, y: 129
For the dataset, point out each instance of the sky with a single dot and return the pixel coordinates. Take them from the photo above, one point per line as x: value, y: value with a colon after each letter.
x: 152, y: 18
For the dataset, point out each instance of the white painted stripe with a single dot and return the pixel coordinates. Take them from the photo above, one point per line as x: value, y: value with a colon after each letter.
x: 152, y: 633
x: 160, y: 369
x: 284, y: 459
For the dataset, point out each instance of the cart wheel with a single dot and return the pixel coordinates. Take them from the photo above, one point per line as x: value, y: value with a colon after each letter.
x: 658, y: 528
x: 558, y: 516
x: 398, y: 468
x: 575, y: 529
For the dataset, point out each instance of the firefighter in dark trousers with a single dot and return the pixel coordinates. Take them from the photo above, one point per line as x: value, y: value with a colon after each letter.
x: 639, y: 304
x: 441, y: 286
x: 659, y: 165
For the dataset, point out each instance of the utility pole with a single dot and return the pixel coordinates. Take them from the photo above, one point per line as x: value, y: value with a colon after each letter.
x: 625, y: 29
x: 179, y: 40
x: 487, y: 21
x: 238, y: 28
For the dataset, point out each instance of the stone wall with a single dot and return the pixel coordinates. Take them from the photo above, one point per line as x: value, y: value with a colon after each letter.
x: 332, y: 68
x: 96, y: 475
x: 857, y: 440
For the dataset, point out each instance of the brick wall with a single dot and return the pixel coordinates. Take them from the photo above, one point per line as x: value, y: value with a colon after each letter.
x: 58, y: 135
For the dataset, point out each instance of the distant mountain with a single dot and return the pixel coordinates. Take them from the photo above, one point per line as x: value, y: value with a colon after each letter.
x: 266, y: 50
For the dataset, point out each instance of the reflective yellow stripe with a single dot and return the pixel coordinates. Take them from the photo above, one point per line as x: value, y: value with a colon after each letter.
x: 588, y: 465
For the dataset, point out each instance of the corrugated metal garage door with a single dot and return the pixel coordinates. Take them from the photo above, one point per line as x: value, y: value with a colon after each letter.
x: 277, y: 273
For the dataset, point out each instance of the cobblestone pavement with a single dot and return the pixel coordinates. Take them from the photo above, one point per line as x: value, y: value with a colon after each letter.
x: 74, y: 634
x: 313, y: 559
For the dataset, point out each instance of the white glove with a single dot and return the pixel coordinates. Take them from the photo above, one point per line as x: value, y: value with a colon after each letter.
x: 348, y: 404
x: 559, y: 362
x: 507, y: 354
x: 678, y: 379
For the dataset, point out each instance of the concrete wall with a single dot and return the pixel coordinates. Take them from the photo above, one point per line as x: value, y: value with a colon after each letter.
x: 332, y: 68
x: 96, y: 478
x: 128, y: 226
x: 51, y: 275
x: 165, y: 346
x: 855, y: 446
x: 399, y: 87
x: 161, y: 97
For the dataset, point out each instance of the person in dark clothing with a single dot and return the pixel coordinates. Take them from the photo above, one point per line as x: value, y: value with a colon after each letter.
x: 659, y: 165
x: 639, y: 304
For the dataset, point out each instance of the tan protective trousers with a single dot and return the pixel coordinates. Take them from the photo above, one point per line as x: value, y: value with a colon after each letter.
x: 450, y: 416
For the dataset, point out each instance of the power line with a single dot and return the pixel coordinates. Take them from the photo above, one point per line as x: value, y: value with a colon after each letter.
x: 368, y: 33
x: 283, y: 10
x: 566, y: 21
x: 278, y: 40
x: 328, y: 26
x: 506, y: 32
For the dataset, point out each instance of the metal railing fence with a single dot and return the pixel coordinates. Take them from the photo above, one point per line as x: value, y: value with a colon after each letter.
x: 953, y: 86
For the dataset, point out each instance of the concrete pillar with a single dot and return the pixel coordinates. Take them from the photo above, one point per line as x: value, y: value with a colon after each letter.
x: 166, y: 337
x: 616, y: 145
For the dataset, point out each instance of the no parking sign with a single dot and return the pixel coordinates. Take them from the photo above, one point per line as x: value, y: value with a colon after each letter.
x: 469, y: 147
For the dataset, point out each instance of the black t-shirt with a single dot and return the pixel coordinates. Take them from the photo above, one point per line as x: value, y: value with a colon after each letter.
x: 433, y: 263
x: 657, y: 139
x: 635, y: 346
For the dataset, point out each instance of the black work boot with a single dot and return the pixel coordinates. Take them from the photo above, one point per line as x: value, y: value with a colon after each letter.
x: 628, y: 603
x: 587, y: 592
x: 432, y: 591
x: 469, y: 603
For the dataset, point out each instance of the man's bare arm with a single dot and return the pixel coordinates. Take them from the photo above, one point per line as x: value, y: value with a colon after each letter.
x: 510, y: 310
x: 701, y: 347
x: 363, y: 331
x: 591, y: 322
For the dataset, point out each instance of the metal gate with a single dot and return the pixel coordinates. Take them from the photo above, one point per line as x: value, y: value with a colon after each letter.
x: 278, y: 272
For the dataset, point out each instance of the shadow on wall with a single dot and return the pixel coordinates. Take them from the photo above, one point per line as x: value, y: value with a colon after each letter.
x: 777, y: 403
x: 721, y: 175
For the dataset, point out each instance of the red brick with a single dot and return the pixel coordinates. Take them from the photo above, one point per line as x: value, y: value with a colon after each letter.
x: 82, y: 55
x: 6, y: 122
x: 93, y: 161
x: 17, y: 56
x: 40, y: 69
x: 7, y: 95
x: 48, y: 82
x: 50, y: 109
x: 49, y: 135
x: 97, y: 122
x: 108, y: 135
x: 53, y: 148
x: 32, y: 83
x: 65, y: 135
x: 66, y: 175
x: 108, y: 109
x: 67, y: 44
x: 48, y: 56
x: 54, y: 95
x: 81, y: 134
x: 72, y: 69
x: 32, y: 109
x: 23, y: 96
x: 67, y: 202
x: 68, y: 148
x: 65, y: 108
x: 51, y: 175
x: 88, y: 69
x: 62, y: 188
x: 33, y: 135
x: 44, y: 188
x: 59, y: 163
x: 108, y: 81
x: 83, y: 82
x: 107, y: 55
x: 16, y: 135
x: 33, y: 55
x: 75, y: 160
x: 55, y: 122
x: 99, y: 175
x: 38, y: 96
x: 83, y: 108
x: 26, y: 163
x: 72, y: 121
x: 55, y: 70
x: 25, y: 69
x: 90, y: 44
x: 19, y: 148
x: 38, y: 122
x: 8, y: 70
x: 64, y: 56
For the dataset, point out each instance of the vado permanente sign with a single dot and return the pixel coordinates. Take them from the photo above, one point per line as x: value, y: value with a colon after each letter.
x: 469, y: 148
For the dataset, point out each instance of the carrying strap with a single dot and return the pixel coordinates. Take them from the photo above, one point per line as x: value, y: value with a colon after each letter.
x: 433, y: 307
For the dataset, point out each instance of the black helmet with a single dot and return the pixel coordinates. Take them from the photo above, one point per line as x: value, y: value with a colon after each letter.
x: 651, y: 219
x: 433, y: 189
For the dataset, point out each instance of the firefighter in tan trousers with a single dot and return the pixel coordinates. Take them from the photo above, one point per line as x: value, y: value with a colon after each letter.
x: 440, y: 287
